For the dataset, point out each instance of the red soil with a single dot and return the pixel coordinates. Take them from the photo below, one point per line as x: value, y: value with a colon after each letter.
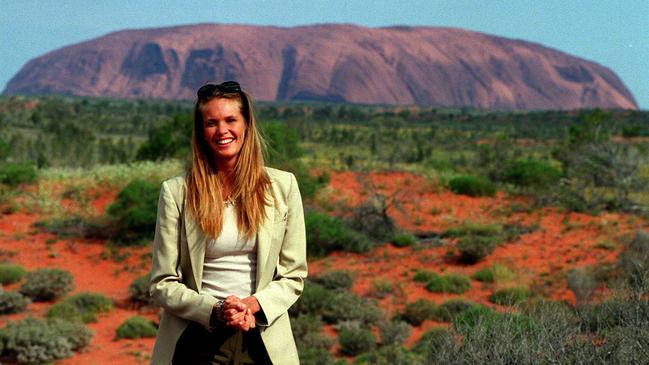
x: 540, y: 258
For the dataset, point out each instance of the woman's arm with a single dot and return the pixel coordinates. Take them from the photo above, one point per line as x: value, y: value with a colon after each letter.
x: 167, y: 286
x: 291, y: 271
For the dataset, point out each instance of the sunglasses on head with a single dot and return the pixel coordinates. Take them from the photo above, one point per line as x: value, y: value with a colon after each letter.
x: 208, y: 90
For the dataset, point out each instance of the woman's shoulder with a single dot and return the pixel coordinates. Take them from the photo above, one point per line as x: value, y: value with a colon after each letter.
x: 279, y: 176
x: 175, y: 184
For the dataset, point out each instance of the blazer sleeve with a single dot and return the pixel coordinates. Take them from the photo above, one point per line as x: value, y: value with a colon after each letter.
x: 167, y: 286
x: 291, y: 271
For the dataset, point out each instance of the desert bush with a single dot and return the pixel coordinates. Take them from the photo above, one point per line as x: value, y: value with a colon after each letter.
x: 65, y: 311
x: 133, y: 214
x: 372, y: 219
x: 582, y: 283
x: 634, y: 261
x: 316, y: 356
x: 14, y: 174
x: 47, y: 284
x: 139, y: 290
x: 435, y: 339
x: 326, y: 234
x: 90, y: 305
x: 395, y: 332
x: 472, y: 186
x: 493, y: 274
x: 345, y: 306
x: 172, y: 139
x: 510, y: 296
x: 403, y: 239
x: 11, y: 273
x: 136, y: 327
x: 308, y: 333
x: 380, y: 288
x: 615, y: 312
x: 390, y: 355
x: 474, y: 229
x: 12, y: 302
x: 532, y: 173
x: 314, y: 300
x: 335, y: 280
x: 418, y: 311
x: 449, y: 283
x: 474, y: 248
x: 451, y: 308
x: 422, y: 276
x: 354, y: 341
x: 36, y: 341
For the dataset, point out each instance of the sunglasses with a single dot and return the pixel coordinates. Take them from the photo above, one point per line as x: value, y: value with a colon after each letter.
x: 228, y: 87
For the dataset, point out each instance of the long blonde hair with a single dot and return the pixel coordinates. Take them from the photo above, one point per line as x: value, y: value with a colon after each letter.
x: 251, y: 182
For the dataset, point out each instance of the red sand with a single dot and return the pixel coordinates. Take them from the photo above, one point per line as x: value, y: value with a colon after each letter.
x: 541, y: 259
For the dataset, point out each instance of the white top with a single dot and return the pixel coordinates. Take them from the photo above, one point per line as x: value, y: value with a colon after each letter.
x: 230, y: 266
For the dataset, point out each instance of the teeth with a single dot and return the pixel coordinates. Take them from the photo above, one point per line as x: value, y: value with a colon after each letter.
x: 225, y: 141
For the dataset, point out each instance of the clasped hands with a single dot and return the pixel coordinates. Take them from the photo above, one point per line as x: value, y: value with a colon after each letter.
x: 240, y: 313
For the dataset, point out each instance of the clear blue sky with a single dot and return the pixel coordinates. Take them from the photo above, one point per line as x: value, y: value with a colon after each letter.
x: 614, y: 33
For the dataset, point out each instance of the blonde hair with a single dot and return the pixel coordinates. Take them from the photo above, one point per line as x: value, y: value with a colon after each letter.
x: 251, y: 182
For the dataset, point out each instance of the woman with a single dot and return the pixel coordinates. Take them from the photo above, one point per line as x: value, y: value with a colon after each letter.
x: 229, y: 253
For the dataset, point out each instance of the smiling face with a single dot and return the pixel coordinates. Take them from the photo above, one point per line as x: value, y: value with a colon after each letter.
x: 224, y: 129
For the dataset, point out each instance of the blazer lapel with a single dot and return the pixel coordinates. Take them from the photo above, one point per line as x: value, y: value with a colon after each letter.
x: 196, y: 244
x: 265, y: 237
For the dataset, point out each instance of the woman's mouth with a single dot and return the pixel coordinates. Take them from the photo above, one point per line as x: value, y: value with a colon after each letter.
x: 225, y: 141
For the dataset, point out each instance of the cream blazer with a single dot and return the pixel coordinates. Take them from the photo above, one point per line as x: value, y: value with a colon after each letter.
x: 179, y: 252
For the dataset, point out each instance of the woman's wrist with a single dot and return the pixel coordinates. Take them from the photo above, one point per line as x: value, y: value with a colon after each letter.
x: 217, y: 314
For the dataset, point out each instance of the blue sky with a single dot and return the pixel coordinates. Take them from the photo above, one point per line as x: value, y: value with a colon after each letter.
x: 614, y: 33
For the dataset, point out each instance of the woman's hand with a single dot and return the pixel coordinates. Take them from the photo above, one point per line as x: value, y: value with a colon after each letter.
x: 239, y: 313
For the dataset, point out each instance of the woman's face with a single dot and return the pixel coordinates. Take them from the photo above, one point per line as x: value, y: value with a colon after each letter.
x: 224, y: 129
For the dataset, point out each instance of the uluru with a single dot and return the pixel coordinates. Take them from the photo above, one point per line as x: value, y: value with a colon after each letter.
x: 426, y: 66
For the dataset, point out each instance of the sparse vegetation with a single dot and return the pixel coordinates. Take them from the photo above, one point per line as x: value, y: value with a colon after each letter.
x: 449, y: 283
x: 472, y: 186
x: 11, y: 273
x: 136, y: 327
x: 12, y: 302
x: 47, y: 284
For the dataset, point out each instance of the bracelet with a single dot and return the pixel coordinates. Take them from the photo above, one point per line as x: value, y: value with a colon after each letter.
x: 219, y: 311
x: 217, y: 314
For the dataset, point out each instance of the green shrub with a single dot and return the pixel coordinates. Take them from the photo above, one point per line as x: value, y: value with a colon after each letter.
x: 451, y: 308
x: 354, y: 341
x: 472, y: 186
x: 316, y: 356
x: 510, y: 296
x: 390, y: 355
x: 423, y: 276
x: 394, y: 332
x: 36, y: 341
x: 139, y: 290
x: 449, y: 283
x: 474, y: 229
x: 474, y: 248
x: 133, y: 213
x: 14, y: 174
x: 473, y: 317
x: 314, y: 300
x: 13, y: 302
x: 90, y: 304
x: 65, y: 311
x: 11, y: 273
x: 345, y: 306
x: 493, y: 274
x: 404, y: 239
x: 136, y: 327
x: 435, y: 340
x: 372, y: 219
x: 308, y: 333
x: 381, y: 288
x: 47, y: 284
x: 418, y: 311
x: 326, y: 234
x: 532, y: 173
x: 335, y: 280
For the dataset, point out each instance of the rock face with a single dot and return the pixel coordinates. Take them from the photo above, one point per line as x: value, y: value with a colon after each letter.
x: 340, y: 63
